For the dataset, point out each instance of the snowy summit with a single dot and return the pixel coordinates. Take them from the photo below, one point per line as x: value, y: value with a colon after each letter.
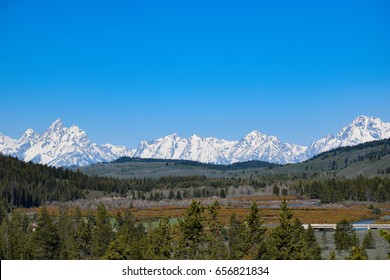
x: 62, y: 146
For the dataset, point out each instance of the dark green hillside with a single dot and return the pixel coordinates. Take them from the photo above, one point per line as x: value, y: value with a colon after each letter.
x: 369, y: 159
x: 127, y: 167
x: 28, y: 184
x: 178, y: 162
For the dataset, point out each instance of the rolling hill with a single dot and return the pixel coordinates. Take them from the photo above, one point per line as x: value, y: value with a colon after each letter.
x: 369, y: 159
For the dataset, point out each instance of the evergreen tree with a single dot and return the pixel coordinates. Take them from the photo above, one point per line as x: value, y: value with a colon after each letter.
x: 81, y: 245
x: 357, y: 253
x: 368, y: 241
x: 65, y: 234
x: 312, y: 250
x: 255, y: 234
x: 216, y: 249
x: 46, y: 244
x: 192, y: 235
x: 290, y: 241
x: 386, y: 236
x: 16, y: 237
x: 159, y: 242
x: 102, y: 234
x: 129, y: 241
x: 236, y: 233
x: 345, y: 237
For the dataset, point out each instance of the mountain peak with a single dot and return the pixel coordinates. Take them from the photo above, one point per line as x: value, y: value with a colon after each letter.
x: 172, y: 135
x: 57, y: 125
x: 29, y: 133
x: 254, y: 134
x: 60, y: 146
x: 364, y: 119
x: 362, y: 129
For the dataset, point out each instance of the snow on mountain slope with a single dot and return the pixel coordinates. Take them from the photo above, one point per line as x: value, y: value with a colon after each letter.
x: 257, y: 146
x: 362, y: 129
x: 208, y: 150
x: 7, y: 144
x: 254, y: 146
x: 62, y: 146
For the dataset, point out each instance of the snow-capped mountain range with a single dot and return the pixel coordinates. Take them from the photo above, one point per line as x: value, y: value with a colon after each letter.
x: 62, y: 146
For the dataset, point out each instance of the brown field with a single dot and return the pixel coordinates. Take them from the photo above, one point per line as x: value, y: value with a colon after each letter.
x: 269, y: 210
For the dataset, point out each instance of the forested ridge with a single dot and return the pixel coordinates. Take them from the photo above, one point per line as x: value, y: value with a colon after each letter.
x: 29, y: 185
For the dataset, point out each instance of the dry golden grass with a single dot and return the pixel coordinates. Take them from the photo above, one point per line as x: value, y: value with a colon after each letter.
x: 330, y: 214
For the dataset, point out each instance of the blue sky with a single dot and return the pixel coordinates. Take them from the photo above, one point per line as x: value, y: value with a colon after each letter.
x: 126, y: 71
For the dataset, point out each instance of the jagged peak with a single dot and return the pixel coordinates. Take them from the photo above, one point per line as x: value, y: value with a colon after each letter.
x: 255, y: 134
x: 365, y: 119
x: 76, y: 128
x: 29, y: 131
x: 194, y: 136
x: 28, y: 134
x: 171, y: 136
x: 57, y: 125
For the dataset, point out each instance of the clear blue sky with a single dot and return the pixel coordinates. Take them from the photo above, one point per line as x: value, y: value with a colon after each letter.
x: 126, y: 71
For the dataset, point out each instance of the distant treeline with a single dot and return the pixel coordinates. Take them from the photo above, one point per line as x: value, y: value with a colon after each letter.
x: 29, y: 185
x: 338, y: 190
x: 233, y: 166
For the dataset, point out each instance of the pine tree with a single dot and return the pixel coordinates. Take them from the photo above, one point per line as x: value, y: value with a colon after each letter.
x: 129, y: 241
x: 345, y: 237
x: 386, y: 236
x: 159, y: 242
x: 255, y: 234
x: 312, y: 250
x: 192, y: 235
x: 81, y: 246
x: 290, y: 241
x: 15, y: 237
x: 46, y: 244
x: 357, y: 253
x: 65, y: 233
x: 216, y: 249
x: 368, y: 241
x: 102, y: 234
x: 236, y: 233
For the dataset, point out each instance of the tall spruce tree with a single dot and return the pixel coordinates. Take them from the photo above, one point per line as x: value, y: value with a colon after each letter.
x: 46, y: 242
x: 368, y: 241
x: 158, y: 245
x: 256, y: 248
x: 102, y: 234
x: 290, y: 241
x: 192, y: 233
x: 129, y: 241
x: 345, y: 237
x: 216, y: 249
x: 237, y: 237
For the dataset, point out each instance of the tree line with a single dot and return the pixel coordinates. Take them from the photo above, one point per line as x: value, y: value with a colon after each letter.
x: 199, y: 234
x: 334, y: 190
x: 30, y: 185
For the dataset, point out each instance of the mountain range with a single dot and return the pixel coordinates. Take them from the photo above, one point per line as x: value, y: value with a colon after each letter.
x: 62, y: 146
